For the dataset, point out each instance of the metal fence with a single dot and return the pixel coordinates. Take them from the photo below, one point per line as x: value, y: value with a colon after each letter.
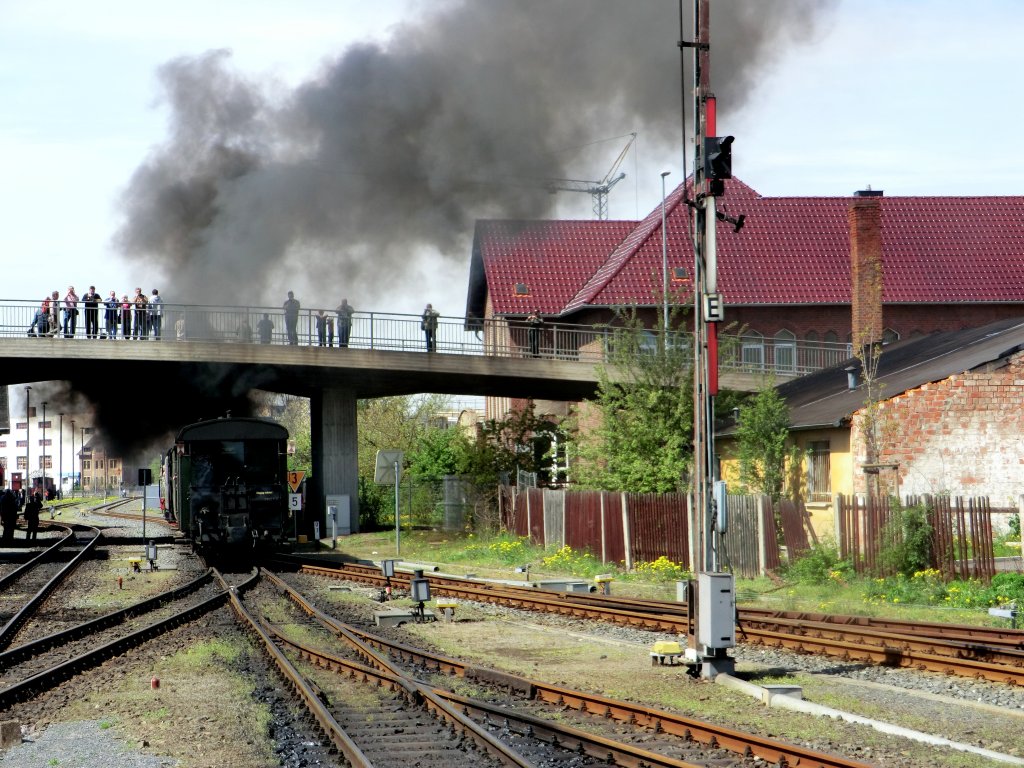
x: 495, y: 337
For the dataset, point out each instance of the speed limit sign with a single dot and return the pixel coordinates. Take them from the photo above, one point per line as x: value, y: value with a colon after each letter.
x: 295, y: 501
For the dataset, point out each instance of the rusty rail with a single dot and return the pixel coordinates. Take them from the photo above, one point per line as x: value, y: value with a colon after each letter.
x: 911, y: 645
x: 626, y: 712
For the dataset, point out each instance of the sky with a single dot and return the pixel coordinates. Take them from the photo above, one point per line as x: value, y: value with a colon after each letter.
x: 227, y: 152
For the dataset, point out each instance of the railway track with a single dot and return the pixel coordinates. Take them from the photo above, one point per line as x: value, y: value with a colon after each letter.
x: 49, y: 661
x: 31, y: 658
x: 23, y: 590
x: 381, y: 653
x: 996, y: 655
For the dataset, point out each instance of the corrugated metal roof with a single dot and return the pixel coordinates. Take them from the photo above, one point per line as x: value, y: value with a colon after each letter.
x: 824, y: 398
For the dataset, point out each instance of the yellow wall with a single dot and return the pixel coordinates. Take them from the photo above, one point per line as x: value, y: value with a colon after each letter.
x: 840, y: 465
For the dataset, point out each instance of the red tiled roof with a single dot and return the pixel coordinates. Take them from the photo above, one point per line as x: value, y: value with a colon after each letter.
x: 792, y: 250
x: 551, y: 258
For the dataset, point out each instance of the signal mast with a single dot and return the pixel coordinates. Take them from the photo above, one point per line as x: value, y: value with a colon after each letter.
x: 712, y: 600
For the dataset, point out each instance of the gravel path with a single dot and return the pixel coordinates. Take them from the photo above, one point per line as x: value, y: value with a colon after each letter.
x: 83, y: 744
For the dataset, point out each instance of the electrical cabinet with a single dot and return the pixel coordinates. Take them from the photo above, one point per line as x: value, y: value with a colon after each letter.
x: 716, y: 610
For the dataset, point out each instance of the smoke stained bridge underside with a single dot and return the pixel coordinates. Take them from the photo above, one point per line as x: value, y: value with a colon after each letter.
x: 133, y: 416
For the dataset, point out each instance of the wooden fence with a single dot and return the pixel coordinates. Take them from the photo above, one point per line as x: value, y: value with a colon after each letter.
x: 630, y: 528
x: 961, y: 534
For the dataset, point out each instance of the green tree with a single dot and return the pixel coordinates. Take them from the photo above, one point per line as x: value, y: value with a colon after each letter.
x: 440, y: 452
x: 291, y: 412
x: 520, y: 441
x: 642, y: 439
x: 762, y: 436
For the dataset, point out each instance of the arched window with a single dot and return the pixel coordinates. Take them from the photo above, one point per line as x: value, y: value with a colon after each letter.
x: 889, y: 336
x: 785, y: 351
x: 752, y: 350
x: 831, y: 337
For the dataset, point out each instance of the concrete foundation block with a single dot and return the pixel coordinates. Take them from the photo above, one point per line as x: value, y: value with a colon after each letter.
x: 399, y: 616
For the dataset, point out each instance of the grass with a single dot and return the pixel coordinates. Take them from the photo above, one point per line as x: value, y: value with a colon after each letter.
x: 203, y: 689
x: 817, y: 589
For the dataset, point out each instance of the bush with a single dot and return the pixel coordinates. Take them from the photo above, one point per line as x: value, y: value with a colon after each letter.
x: 927, y: 588
x: 376, y: 504
x: 573, y: 562
x: 819, y: 565
x: 1007, y: 588
x: 508, y: 550
x: 921, y: 588
x: 907, y: 538
x: 661, y: 569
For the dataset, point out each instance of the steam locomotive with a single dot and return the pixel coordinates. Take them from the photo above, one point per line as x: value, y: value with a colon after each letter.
x: 226, y: 484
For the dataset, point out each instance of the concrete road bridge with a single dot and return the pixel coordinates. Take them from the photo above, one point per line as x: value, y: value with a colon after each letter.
x: 383, y: 354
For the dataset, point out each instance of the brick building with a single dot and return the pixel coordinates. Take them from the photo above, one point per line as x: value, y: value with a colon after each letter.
x: 812, y: 269
x: 949, y: 420
x: 101, y: 470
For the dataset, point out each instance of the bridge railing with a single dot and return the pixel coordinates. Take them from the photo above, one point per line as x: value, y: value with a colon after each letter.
x: 496, y: 337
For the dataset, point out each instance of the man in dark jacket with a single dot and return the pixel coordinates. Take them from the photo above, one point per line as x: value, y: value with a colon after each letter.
x: 32, y: 509
x: 91, y: 300
x: 291, y: 318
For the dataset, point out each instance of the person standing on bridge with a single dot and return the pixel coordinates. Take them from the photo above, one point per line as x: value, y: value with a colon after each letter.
x: 429, y: 326
x: 91, y: 300
x: 265, y: 329
x: 111, y: 305
x: 126, y: 317
x: 533, y: 326
x: 245, y: 331
x: 141, y: 310
x: 321, y: 328
x: 345, y: 312
x: 70, y: 312
x: 156, y: 313
x: 291, y: 318
x: 54, y: 313
x: 41, y: 319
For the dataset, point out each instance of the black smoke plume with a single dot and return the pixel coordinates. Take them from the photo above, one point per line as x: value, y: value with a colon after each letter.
x: 371, y: 174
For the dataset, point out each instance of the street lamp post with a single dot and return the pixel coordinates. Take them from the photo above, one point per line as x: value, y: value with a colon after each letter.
x: 664, y: 258
x: 43, y: 462
x: 81, y: 465
x: 72, y: 458
x: 28, y: 411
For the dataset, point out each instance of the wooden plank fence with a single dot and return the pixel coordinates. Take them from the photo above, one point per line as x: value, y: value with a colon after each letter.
x: 630, y: 528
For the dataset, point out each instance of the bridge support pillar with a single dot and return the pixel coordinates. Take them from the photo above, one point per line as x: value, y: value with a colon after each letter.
x: 335, y: 454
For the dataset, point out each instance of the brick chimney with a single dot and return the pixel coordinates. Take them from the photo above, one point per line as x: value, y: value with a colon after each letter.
x: 865, y: 219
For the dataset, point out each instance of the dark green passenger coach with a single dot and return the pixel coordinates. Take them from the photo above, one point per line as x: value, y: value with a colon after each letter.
x: 226, y: 484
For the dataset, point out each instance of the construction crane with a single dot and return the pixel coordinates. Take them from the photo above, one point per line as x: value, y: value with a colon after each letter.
x: 597, y: 189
